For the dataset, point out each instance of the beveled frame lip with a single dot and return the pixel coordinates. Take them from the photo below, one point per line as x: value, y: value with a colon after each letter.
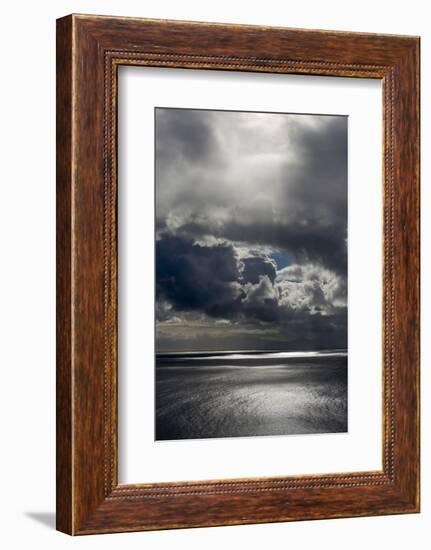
x: 89, y: 51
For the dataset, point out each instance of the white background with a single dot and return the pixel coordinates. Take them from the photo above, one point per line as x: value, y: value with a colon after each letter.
x: 141, y: 458
x: 27, y: 122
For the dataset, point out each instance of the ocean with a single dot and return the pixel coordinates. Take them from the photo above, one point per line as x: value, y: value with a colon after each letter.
x: 243, y: 394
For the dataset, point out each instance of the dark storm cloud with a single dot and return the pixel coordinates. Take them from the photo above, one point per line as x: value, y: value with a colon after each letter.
x: 189, y: 136
x: 255, y: 267
x: 193, y: 277
x: 214, y: 280
x: 292, y: 195
x: 231, y: 190
x: 305, y: 241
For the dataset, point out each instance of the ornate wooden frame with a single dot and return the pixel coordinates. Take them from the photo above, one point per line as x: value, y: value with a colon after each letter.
x: 89, y: 51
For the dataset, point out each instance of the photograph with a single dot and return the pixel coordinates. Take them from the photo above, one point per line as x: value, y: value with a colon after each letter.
x: 251, y: 273
x: 211, y: 283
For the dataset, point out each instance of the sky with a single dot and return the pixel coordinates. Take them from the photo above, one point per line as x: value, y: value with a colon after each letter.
x: 251, y: 231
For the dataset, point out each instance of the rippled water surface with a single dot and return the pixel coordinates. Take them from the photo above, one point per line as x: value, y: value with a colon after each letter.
x: 232, y: 394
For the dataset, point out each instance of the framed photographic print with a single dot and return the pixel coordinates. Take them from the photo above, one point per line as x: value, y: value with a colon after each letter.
x: 237, y: 274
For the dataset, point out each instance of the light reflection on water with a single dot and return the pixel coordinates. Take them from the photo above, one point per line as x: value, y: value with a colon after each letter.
x: 250, y: 395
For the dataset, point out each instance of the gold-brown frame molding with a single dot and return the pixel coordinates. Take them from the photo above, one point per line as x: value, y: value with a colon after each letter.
x: 89, y: 51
